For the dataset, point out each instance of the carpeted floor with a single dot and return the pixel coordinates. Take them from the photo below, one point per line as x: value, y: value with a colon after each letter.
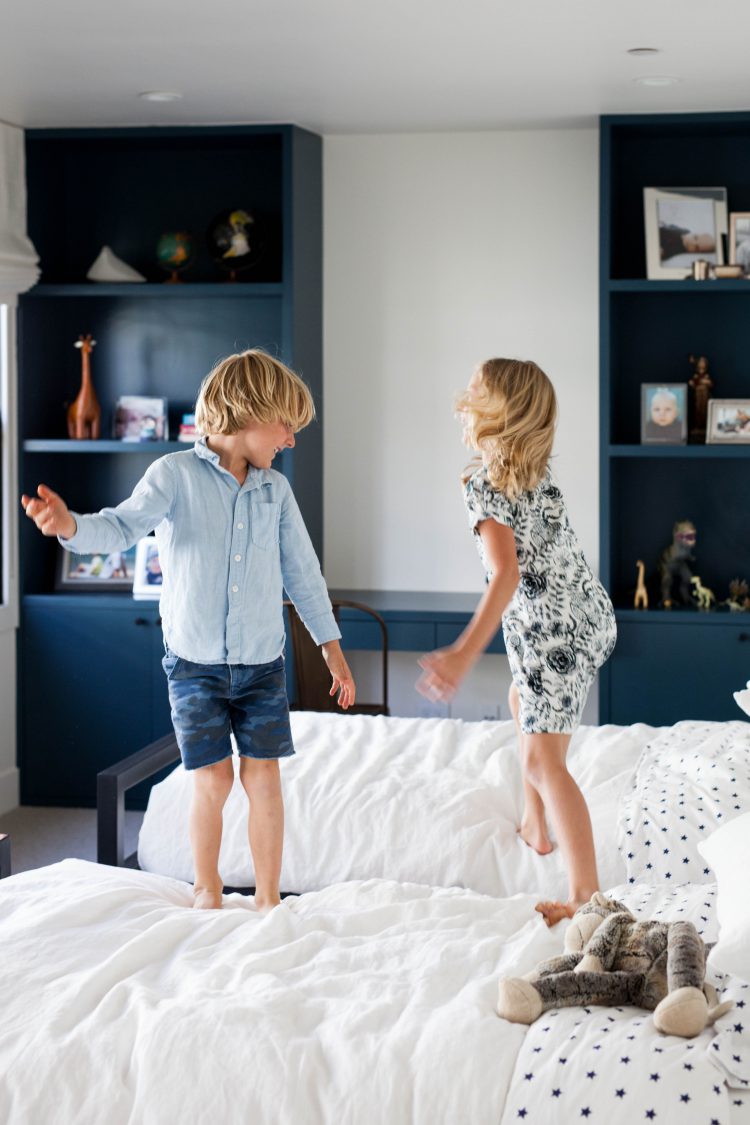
x: 39, y: 836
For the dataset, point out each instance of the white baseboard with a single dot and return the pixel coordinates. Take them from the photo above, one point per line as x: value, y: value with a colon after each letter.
x: 9, y: 789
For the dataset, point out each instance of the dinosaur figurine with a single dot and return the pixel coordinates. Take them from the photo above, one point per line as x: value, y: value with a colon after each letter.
x: 703, y: 596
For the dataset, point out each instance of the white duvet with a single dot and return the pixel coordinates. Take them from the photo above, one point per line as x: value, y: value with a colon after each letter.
x: 435, y: 801
x: 369, y: 1003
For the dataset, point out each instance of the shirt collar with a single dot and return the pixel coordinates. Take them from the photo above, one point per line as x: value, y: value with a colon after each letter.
x: 255, y: 477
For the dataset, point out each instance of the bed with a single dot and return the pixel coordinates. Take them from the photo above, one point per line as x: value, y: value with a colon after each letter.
x: 368, y: 996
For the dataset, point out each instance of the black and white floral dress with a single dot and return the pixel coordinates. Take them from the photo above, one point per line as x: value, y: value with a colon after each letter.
x: 559, y: 627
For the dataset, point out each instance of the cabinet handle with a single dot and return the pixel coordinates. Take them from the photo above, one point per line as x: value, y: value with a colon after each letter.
x: 140, y: 621
x: 158, y: 621
x: 744, y: 637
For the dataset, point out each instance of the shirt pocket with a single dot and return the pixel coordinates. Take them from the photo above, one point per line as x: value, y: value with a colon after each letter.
x: 264, y: 528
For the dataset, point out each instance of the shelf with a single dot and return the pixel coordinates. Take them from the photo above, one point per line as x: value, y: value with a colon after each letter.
x: 103, y: 445
x: 687, y: 285
x: 713, y: 617
x: 699, y: 452
x: 162, y: 290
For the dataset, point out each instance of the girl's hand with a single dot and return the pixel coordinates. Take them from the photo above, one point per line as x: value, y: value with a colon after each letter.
x: 49, y: 513
x: 343, y: 681
x: 443, y: 671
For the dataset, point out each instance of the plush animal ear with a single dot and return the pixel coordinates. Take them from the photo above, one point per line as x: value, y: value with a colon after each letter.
x: 581, y: 928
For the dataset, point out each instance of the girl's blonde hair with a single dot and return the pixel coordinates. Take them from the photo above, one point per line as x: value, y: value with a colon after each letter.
x: 511, y: 422
x: 251, y: 386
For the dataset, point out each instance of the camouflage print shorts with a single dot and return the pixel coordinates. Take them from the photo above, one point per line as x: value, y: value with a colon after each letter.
x: 211, y: 700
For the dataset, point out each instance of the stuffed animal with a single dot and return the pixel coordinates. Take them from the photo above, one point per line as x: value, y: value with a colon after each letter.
x: 611, y: 958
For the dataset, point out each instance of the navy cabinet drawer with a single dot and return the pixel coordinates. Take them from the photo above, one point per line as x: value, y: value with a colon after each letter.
x: 661, y: 673
x: 447, y: 634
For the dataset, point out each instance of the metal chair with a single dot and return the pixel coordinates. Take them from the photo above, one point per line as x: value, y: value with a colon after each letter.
x: 313, y: 680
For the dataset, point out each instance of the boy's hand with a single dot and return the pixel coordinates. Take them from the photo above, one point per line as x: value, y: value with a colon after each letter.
x: 442, y: 673
x: 49, y: 513
x: 343, y: 681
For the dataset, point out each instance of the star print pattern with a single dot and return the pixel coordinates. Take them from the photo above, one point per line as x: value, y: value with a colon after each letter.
x: 610, y: 1065
x: 690, y: 780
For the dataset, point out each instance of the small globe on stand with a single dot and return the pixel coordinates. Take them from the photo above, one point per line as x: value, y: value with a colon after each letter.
x: 234, y: 241
x: 174, y: 252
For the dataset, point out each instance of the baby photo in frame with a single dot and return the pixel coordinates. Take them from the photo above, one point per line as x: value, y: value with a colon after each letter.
x: 664, y: 413
x: 101, y: 572
x: 147, y: 576
x: 682, y: 226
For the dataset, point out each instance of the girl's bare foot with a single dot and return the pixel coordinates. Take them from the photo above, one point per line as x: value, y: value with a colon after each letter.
x: 207, y: 898
x: 554, y: 912
x: 535, y: 835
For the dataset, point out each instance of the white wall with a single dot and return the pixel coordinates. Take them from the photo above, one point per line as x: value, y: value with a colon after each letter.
x: 439, y: 251
x: 8, y: 769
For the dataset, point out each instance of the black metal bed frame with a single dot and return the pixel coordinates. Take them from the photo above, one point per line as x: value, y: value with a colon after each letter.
x: 111, y: 786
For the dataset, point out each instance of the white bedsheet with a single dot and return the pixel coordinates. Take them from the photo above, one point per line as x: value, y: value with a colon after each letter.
x: 368, y: 1002
x: 434, y: 801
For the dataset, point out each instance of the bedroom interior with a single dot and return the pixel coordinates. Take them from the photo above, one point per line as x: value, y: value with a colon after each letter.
x: 487, y: 198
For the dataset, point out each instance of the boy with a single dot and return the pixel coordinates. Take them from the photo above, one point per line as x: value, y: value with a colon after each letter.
x: 230, y: 538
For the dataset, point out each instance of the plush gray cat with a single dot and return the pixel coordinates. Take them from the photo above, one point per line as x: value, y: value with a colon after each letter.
x: 611, y: 958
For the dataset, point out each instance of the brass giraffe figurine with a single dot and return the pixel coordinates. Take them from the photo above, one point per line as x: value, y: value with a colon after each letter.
x: 641, y: 593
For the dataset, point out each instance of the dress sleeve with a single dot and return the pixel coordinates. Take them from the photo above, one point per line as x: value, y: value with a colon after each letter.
x: 483, y: 502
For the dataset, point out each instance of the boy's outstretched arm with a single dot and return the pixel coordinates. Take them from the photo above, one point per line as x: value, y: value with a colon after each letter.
x: 50, y: 513
x: 343, y: 681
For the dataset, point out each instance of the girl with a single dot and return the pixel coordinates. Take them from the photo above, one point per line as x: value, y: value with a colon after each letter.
x: 558, y: 622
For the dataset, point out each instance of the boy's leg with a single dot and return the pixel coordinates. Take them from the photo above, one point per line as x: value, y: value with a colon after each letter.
x: 211, y: 787
x: 533, y: 830
x: 261, y: 780
x: 566, y: 807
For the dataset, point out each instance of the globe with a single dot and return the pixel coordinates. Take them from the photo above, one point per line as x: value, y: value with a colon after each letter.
x: 234, y: 240
x: 174, y: 252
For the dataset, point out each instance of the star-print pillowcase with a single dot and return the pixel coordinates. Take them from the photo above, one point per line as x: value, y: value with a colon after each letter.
x: 690, y: 780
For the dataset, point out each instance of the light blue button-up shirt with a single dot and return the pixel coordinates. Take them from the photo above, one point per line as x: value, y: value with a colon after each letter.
x: 227, y: 552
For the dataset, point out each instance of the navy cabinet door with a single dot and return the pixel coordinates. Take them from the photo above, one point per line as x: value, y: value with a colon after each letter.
x: 664, y: 673
x: 89, y: 679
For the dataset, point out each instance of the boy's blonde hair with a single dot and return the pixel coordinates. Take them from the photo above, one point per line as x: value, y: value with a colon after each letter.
x: 511, y: 422
x: 251, y: 386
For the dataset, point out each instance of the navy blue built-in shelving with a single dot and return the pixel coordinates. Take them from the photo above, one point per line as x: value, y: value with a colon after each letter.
x: 98, y: 656
x: 681, y: 663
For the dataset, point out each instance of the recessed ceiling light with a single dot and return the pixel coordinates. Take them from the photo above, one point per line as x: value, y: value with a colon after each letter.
x: 160, y: 96
x: 643, y: 51
x: 657, y: 80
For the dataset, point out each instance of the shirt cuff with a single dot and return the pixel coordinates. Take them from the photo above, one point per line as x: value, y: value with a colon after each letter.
x: 323, y: 628
x: 70, y: 543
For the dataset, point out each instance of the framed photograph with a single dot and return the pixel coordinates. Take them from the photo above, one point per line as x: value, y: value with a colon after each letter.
x: 728, y: 420
x: 147, y: 578
x: 103, y: 573
x: 664, y: 413
x: 138, y: 418
x: 739, y: 240
x: 683, y: 225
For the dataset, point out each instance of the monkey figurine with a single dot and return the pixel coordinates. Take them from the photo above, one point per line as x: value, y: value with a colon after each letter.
x: 673, y: 565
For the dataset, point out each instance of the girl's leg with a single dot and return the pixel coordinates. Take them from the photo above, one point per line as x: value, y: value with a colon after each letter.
x: 545, y: 762
x: 261, y: 780
x: 533, y: 830
x: 211, y: 787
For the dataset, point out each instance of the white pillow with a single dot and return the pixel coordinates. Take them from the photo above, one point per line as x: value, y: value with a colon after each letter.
x: 728, y: 852
x: 742, y: 698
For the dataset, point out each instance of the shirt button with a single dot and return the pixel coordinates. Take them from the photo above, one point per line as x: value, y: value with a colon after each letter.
x: 237, y: 558
x: 240, y: 526
x: 235, y: 589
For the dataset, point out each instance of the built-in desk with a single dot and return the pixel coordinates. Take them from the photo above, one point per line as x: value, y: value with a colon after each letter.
x: 417, y: 621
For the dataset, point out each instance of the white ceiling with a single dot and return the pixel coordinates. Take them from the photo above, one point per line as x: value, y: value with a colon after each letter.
x: 345, y: 66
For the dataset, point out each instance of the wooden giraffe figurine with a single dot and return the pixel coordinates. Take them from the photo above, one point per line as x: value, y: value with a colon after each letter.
x: 641, y: 593
x: 84, y: 413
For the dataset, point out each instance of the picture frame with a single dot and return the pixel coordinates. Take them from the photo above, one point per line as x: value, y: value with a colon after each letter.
x: 728, y: 421
x: 99, y: 572
x: 664, y: 413
x: 140, y: 418
x: 739, y: 240
x: 147, y: 576
x: 683, y: 225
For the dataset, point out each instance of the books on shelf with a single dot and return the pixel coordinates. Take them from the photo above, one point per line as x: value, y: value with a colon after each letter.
x: 187, y: 430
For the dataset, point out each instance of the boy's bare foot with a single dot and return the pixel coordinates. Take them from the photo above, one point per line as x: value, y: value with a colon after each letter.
x: 207, y: 898
x: 554, y: 912
x: 535, y: 835
x: 265, y: 904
